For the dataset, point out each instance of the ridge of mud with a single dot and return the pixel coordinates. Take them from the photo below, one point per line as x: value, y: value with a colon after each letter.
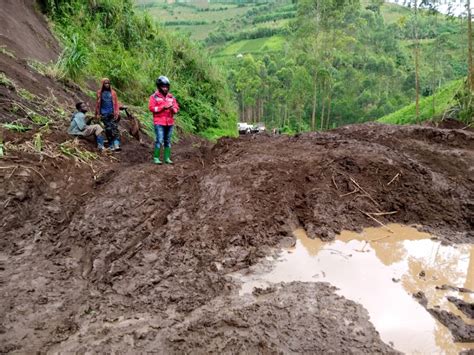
x: 159, y: 241
x: 461, y: 331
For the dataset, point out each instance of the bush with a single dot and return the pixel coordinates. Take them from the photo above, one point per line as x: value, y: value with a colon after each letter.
x: 106, y: 38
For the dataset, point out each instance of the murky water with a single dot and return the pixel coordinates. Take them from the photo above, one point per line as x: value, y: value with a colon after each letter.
x: 381, y: 268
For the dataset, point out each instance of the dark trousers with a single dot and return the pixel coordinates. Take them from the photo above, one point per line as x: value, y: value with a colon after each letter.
x: 111, y: 128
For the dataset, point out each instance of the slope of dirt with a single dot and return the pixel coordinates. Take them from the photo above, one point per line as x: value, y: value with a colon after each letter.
x: 138, y: 259
x: 24, y: 31
x: 25, y: 39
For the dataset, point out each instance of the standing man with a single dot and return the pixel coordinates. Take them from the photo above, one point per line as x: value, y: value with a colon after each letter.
x: 107, y: 107
x: 80, y: 127
x: 164, y: 106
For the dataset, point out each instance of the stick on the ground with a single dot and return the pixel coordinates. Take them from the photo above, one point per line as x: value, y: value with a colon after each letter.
x: 368, y: 195
x: 350, y: 193
x: 394, y: 178
x: 381, y: 213
x: 13, y: 172
x: 376, y: 220
x: 334, y: 182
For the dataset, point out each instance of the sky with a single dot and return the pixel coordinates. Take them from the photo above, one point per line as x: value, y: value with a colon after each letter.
x: 455, y: 7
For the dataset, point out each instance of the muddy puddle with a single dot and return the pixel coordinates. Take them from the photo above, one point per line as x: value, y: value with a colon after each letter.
x: 381, y: 268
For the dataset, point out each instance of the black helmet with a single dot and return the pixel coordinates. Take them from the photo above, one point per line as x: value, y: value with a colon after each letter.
x: 162, y: 81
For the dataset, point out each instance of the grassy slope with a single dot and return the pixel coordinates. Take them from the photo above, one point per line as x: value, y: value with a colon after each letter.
x: 254, y: 46
x: 443, y: 100
x: 177, y: 12
x: 391, y: 13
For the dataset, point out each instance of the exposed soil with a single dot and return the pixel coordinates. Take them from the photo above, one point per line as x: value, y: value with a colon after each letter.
x: 156, y: 242
x: 121, y: 255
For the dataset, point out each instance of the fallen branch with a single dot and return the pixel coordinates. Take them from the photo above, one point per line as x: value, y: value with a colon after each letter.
x: 376, y: 220
x: 381, y: 213
x: 393, y: 179
x: 350, y: 193
x: 334, y: 182
x: 365, y: 192
x: 13, y: 172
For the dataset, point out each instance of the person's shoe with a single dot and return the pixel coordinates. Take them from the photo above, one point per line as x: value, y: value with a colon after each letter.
x: 117, y: 145
x: 100, y: 143
x: 168, y: 155
x: 156, y: 156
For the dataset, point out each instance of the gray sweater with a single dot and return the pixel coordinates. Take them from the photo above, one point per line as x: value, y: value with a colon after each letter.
x: 78, y: 124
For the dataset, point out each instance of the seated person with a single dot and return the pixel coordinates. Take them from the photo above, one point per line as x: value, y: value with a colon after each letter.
x: 80, y: 127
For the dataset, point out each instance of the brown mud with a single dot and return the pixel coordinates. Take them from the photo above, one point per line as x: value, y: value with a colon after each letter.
x: 117, y: 254
x: 82, y: 258
x: 461, y: 331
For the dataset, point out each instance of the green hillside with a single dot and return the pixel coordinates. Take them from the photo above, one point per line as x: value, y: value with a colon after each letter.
x: 110, y: 39
x: 430, y: 107
x: 355, y: 64
x: 253, y: 46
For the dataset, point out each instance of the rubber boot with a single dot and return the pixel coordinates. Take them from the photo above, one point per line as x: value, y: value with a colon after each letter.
x: 156, y: 156
x: 100, y: 143
x: 168, y: 155
x: 117, y: 145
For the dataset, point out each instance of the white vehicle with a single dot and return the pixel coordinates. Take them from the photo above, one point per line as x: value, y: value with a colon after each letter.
x: 244, y: 128
x: 258, y: 128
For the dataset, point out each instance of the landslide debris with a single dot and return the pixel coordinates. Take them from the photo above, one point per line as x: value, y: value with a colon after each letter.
x: 83, y: 257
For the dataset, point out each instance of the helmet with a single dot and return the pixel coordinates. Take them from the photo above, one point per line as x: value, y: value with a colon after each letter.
x: 162, y: 81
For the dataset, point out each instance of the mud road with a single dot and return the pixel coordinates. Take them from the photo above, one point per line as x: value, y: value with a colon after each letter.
x: 126, y: 256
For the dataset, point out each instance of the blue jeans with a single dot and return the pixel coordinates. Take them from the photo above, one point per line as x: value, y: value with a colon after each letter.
x: 163, y: 136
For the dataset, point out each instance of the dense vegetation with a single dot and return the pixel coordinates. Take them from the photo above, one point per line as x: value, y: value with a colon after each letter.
x: 345, y: 64
x: 441, y: 104
x: 107, y: 38
x: 316, y: 64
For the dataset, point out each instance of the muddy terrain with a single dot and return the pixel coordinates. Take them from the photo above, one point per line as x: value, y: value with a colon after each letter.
x: 113, y: 253
x: 128, y: 256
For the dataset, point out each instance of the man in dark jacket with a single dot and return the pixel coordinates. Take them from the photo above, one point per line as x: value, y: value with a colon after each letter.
x: 107, y: 107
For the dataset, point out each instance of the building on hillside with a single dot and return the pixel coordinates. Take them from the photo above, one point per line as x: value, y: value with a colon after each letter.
x: 454, y: 7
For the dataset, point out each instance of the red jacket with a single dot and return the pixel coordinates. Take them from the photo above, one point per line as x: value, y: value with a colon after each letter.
x: 114, y: 100
x: 161, y: 115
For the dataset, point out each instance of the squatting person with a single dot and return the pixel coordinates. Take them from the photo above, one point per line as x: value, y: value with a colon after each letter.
x: 107, y: 107
x: 80, y: 126
x: 164, y: 106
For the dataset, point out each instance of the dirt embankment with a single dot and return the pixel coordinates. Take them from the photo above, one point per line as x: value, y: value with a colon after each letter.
x: 29, y: 84
x: 139, y: 258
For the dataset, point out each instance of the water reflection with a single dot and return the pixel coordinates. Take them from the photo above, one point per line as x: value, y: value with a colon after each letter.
x: 381, y: 268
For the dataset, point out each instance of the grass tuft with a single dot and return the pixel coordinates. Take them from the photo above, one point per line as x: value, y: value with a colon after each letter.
x: 5, y: 81
x: 17, y: 127
x: 71, y: 149
x: 4, y: 50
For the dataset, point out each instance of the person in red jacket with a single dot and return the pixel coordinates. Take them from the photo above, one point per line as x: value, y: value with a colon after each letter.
x: 107, y: 107
x: 164, y: 106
